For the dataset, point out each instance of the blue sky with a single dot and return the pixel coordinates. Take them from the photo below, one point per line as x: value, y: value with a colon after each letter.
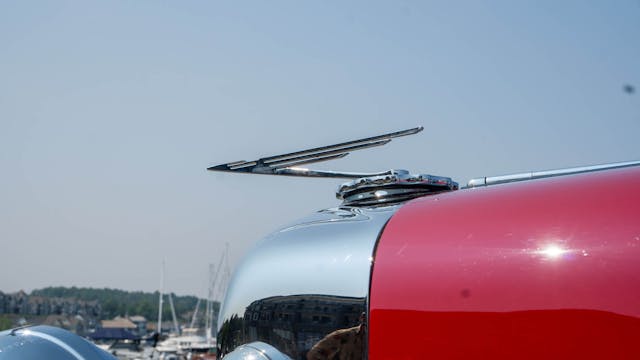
x: 110, y: 112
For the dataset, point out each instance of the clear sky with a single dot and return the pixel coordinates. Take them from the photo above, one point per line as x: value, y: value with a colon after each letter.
x: 110, y: 112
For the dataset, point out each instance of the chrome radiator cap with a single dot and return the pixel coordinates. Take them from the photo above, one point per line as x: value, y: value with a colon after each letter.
x: 397, y: 186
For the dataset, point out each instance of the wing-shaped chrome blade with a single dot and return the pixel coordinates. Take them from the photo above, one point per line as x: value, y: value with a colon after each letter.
x: 286, y: 164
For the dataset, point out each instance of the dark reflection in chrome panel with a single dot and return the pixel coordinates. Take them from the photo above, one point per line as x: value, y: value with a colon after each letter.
x: 293, y: 324
x: 303, y: 282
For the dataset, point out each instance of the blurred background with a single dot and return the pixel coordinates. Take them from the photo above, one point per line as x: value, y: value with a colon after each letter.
x: 110, y: 113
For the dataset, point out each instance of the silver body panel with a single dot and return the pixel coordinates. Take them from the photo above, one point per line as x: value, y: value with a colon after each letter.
x: 303, y: 282
x: 47, y: 342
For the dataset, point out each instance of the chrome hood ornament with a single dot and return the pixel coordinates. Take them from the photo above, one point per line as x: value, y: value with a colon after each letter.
x: 306, y: 284
x: 286, y: 164
x: 398, y: 186
x: 386, y: 187
x: 369, y: 189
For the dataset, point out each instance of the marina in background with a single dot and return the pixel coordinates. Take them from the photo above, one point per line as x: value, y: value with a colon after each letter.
x: 131, y: 325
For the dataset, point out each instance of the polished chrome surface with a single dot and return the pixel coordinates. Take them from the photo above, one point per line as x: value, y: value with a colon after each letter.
x: 494, y: 180
x: 286, y: 164
x: 398, y: 186
x: 256, y: 351
x: 303, y: 282
x: 47, y: 342
x: 293, y: 171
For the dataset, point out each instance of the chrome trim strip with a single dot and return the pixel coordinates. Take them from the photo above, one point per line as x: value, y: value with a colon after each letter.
x: 274, y: 169
x: 294, y: 159
x: 502, y: 179
x: 348, y: 143
x: 294, y: 171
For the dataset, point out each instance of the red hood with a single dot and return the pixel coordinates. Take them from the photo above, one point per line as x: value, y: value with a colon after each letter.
x: 546, y: 247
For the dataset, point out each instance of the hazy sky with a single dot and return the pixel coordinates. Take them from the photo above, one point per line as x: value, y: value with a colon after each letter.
x: 110, y: 112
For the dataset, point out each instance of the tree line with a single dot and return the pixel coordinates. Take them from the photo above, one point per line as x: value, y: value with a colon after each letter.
x: 116, y: 302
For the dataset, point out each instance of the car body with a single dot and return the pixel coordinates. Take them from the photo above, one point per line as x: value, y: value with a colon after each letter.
x: 47, y: 342
x: 541, y: 265
x: 541, y: 269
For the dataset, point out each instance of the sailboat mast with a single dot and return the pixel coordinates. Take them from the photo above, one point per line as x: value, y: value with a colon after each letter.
x: 207, y: 319
x: 173, y: 314
x: 195, y: 315
x: 220, y: 273
x: 160, y: 300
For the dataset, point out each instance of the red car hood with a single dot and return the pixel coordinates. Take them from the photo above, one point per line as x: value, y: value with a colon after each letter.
x: 539, y: 269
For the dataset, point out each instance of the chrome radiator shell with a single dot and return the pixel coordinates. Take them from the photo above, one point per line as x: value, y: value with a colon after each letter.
x: 303, y: 281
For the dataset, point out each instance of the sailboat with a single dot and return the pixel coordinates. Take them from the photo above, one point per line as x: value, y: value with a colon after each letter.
x: 187, y: 342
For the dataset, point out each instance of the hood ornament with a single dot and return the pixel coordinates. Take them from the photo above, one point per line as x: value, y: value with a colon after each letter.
x: 287, y: 164
x: 387, y: 187
x: 369, y: 189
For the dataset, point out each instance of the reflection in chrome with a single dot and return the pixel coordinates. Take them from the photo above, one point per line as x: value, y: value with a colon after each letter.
x: 398, y: 186
x: 300, y: 321
x: 343, y: 343
x: 303, y: 282
x: 330, y: 216
x: 256, y: 351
